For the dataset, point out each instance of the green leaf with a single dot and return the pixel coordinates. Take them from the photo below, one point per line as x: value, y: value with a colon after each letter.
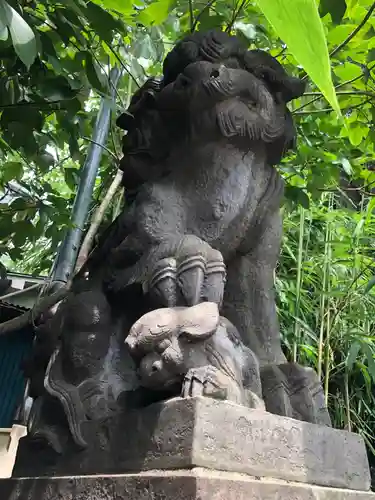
x: 44, y: 161
x: 71, y: 177
x: 94, y: 75
x: 336, y: 8
x: 370, y: 359
x: 346, y: 166
x: 298, y: 24
x: 23, y: 37
x: 3, y: 29
x: 156, y: 13
x: 357, y: 134
x: 122, y: 6
x: 56, y: 89
x: 102, y: 21
x: 352, y: 354
x: 370, y: 285
x: 11, y: 170
x: 297, y: 195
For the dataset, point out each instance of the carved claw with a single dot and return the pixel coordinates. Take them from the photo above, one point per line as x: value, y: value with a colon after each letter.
x: 194, y: 274
x: 190, y: 278
x: 204, y: 381
x: 162, y: 285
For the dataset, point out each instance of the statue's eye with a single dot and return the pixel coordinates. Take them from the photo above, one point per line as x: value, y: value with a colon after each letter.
x: 162, y: 346
x: 182, y: 82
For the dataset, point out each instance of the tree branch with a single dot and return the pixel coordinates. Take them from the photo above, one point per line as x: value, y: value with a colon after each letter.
x: 39, y: 105
x: 344, y: 92
x: 19, y: 292
x: 27, y: 318
x: 102, y: 146
x: 97, y: 219
x: 327, y: 110
x: 337, y: 87
x: 122, y: 64
x: 354, y: 32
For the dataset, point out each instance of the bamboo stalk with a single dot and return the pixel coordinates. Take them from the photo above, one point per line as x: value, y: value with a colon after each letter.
x: 297, y: 324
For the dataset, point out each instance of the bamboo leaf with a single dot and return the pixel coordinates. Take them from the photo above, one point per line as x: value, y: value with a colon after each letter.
x: 370, y: 360
x: 352, y: 354
x: 370, y: 285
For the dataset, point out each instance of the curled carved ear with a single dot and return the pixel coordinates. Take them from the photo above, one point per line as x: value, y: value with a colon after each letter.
x: 199, y: 322
x: 266, y: 67
x: 125, y: 121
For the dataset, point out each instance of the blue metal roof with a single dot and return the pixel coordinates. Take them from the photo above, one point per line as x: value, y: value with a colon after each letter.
x: 14, y: 347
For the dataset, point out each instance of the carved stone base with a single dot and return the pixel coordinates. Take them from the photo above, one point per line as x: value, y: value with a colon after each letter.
x: 196, y: 484
x: 202, y: 432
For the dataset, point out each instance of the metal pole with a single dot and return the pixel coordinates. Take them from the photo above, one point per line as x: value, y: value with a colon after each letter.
x: 67, y: 254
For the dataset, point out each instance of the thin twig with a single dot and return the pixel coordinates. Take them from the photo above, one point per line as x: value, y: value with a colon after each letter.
x: 235, y: 15
x: 313, y: 111
x: 325, y: 110
x: 123, y: 65
x: 352, y: 80
x: 343, y: 92
x: 354, y: 32
x: 102, y: 146
x: 191, y: 13
x: 198, y: 18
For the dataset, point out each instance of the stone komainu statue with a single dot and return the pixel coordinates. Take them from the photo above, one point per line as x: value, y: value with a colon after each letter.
x: 203, y: 225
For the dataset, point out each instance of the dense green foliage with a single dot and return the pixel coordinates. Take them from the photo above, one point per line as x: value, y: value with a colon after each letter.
x: 47, y: 113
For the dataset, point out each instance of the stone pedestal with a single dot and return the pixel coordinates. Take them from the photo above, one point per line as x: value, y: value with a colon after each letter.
x: 195, y: 484
x: 204, y: 449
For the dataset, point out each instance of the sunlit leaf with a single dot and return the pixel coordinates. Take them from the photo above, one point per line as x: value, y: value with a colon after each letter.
x: 3, y: 29
x: 346, y: 166
x: 155, y: 13
x: 122, y: 6
x: 298, y: 24
x: 23, y: 37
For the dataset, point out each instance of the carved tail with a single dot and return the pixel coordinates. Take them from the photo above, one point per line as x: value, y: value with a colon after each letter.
x: 68, y: 396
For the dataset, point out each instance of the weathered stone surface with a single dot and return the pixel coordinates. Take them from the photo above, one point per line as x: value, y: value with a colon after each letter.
x: 169, y: 485
x: 202, y: 432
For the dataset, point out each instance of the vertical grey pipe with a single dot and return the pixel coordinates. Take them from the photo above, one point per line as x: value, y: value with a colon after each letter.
x: 67, y: 255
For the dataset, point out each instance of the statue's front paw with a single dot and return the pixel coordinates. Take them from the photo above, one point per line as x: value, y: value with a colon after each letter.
x: 195, y: 273
x: 205, y: 381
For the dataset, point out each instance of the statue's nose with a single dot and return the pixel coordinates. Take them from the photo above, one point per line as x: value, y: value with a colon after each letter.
x: 215, y: 72
x: 156, y: 366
